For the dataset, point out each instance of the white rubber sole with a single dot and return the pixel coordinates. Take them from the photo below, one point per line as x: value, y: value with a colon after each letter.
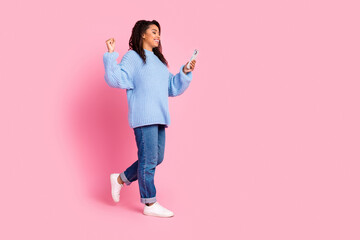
x: 156, y: 215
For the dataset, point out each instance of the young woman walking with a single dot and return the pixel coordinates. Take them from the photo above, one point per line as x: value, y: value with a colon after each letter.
x: 143, y: 72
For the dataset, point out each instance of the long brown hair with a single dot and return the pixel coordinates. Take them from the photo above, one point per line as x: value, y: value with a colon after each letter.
x: 136, y: 41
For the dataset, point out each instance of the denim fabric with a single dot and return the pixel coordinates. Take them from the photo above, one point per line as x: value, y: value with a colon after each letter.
x: 150, y: 141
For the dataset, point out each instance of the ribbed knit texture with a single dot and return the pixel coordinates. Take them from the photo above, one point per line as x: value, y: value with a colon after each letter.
x: 148, y: 86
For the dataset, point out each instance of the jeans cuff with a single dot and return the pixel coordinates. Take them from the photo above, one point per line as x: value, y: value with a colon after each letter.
x: 148, y: 200
x: 124, y: 179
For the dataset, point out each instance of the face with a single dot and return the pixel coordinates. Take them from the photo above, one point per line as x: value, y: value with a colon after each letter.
x: 151, y: 37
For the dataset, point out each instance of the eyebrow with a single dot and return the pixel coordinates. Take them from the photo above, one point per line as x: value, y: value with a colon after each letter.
x: 154, y: 29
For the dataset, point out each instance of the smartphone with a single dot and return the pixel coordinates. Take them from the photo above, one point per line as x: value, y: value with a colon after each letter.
x: 192, y: 58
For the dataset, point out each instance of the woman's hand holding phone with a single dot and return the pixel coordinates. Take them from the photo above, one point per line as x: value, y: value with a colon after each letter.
x: 192, y: 66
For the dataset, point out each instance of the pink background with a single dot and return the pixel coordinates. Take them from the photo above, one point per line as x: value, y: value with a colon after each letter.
x: 264, y: 144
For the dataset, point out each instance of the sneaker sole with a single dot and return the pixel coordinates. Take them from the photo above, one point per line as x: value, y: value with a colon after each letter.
x: 111, y: 183
x: 156, y: 215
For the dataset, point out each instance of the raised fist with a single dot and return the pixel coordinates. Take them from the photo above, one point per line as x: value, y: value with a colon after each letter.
x: 110, y: 44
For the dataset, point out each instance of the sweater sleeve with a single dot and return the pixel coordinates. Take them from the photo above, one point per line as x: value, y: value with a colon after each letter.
x: 179, y: 83
x: 119, y: 75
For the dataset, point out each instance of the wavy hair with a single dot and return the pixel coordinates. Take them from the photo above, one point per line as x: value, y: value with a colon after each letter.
x: 136, y: 41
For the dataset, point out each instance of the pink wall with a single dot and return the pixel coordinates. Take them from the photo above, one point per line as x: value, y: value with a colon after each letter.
x: 263, y: 145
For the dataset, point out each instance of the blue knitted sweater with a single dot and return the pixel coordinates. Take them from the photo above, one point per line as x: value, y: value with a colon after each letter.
x: 148, y: 86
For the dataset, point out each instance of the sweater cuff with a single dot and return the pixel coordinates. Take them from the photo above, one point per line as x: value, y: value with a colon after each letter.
x: 187, y: 76
x: 111, y: 56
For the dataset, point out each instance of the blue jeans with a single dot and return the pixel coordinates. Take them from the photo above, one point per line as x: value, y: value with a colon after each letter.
x: 150, y: 141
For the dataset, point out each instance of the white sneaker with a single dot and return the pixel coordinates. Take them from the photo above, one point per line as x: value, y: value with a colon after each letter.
x: 157, y: 210
x: 115, y: 186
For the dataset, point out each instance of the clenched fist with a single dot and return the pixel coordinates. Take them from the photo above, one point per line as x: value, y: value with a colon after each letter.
x: 110, y: 44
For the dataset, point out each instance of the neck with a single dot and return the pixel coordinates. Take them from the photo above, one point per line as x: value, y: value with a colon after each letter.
x: 148, y: 48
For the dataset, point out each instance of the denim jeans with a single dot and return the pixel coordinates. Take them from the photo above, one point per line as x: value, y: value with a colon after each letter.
x: 150, y: 141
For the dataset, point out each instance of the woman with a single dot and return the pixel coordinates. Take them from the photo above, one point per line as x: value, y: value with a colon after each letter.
x: 143, y: 72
